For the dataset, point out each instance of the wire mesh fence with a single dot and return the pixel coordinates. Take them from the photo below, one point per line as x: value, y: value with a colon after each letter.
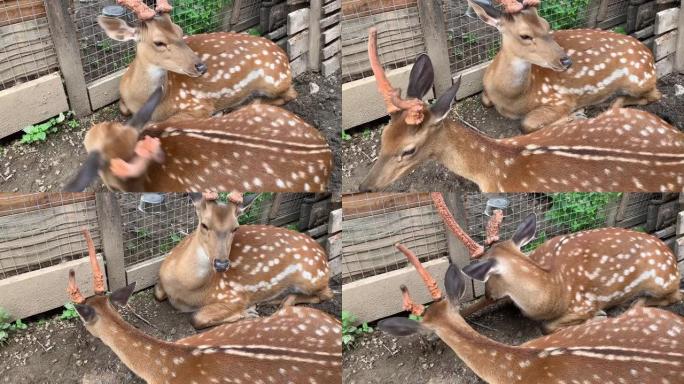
x: 26, y: 48
x: 400, y: 38
x: 41, y: 230
x: 373, y: 223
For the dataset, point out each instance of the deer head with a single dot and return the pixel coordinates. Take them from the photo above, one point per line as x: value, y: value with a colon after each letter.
x: 525, y: 35
x: 217, y: 225
x: 159, y: 40
x: 409, y: 138
x: 97, y: 312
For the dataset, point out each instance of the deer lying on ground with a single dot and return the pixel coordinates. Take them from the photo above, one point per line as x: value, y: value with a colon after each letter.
x: 572, y: 278
x: 296, y: 344
x: 643, y: 345
x: 256, y: 147
x: 542, y: 76
x: 620, y: 150
x: 200, y: 74
x: 223, y: 268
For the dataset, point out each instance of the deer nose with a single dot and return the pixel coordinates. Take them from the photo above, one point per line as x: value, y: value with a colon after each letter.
x: 221, y: 265
x: 566, y: 61
x: 201, y: 68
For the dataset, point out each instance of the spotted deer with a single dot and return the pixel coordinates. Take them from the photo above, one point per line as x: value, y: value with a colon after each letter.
x: 201, y: 74
x: 541, y: 76
x: 620, y: 150
x: 222, y: 269
x: 296, y: 344
x: 643, y: 345
x: 256, y: 147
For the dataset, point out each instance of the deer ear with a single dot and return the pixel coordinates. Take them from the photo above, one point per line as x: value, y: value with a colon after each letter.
x: 480, y: 270
x: 120, y: 296
x: 525, y: 232
x: 144, y: 114
x: 454, y: 284
x: 117, y: 29
x: 196, y: 197
x: 421, y: 78
x: 86, y: 312
x: 399, y: 326
x: 87, y: 173
x: 441, y: 108
x: 487, y: 13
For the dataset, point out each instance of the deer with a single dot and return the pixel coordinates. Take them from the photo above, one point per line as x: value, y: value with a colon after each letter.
x: 222, y: 269
x: 256, y: 148
x: 620, y: 150
x: 541, y: 76
x: 296, y: 344
x: 572, y: 278
x: 643, y: 345
x: 200, y: 74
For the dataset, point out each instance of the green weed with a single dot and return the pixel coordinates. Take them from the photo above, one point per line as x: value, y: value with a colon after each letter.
x: 69, y: 312
x: 564, y: 14
x: 198, y: 16
x: 39, y: 132
x: 580, y: 211
x: 7, y: 327
x: 351, y: 332
x: 346, y: 136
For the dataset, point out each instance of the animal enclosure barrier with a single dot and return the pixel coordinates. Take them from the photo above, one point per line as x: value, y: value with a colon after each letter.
x: 41, y: 238
x: 373, y: 223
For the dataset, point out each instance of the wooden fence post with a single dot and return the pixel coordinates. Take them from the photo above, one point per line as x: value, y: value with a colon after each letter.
x: 434, y: 32
x: 65, y: 39
x: 315, y: 10
x: 457, y: 251
x: 111, y: 230
x: 679, y: 50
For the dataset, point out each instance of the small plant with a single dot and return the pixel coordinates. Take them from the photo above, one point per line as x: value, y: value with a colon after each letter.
x: 141, y: 232
x: 254, y: 31
x: 351, y: 332
x: 254, y: 212
x: 539, y: 239
x: 292, y: 227
x: 366, y: 134
x: 620, y: 29
x: 7, y: 327
x: 105, y: 45
x: 580, y: 210
x: 69, y: 312
x: 470, y: 38
x: 198, y: 16
x: 39, y: 132
x: 415, y: 317
x: 493, y: 50
x: 346, y: 136
x: 73, y: 124
x: 564, y: 14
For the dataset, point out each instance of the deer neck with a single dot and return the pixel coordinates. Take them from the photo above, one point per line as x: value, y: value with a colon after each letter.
x: 194, y: 264
x: 490, y: 360
x: 141, y: 353
x: 511, y: 74
x: 539, y: 295
x: 143, y: 79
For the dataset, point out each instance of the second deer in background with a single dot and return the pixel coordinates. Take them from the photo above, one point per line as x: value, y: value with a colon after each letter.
x: 222, y: 269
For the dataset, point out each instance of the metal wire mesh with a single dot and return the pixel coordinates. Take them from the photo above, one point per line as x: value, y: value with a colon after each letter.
x: 44, y: 229
x: 373, y: 223
x: 26, y: 48
x: 400, y: 38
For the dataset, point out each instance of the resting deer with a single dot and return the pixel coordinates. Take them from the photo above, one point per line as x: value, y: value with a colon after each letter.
x: 256, y: 148
x: 542, y: 76
x: 201, y: 74
x: 620, y: 150
x: 643, y: 345
x: 223, y: 268
x: 296, y: 344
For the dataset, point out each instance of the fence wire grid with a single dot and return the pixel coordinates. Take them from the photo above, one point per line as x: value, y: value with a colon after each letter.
x: 373, y: 223
x: 26, y: 48
x: 41, y: 230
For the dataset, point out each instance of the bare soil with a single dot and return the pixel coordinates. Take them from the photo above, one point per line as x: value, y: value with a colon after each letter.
x: 360, y: 151
x: 382, y: 358
x: 62, y: 351
x: 49, y: 165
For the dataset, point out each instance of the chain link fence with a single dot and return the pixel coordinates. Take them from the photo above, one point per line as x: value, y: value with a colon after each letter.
x: 26, y: 48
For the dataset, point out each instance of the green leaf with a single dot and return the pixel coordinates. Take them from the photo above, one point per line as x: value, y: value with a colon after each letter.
x: 60, y: 118
x: 347, y: 339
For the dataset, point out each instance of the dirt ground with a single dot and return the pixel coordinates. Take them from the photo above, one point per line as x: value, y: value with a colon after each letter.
x: 361, y: 150
x: 49, y: 165
x: 381, y: 358
x: 62, y: 351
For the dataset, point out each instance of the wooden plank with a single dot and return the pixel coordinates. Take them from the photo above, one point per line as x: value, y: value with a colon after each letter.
x: 330, y: 20
x: 378, y: 296
x: 665, y: 45
x: 144, y: 274
x: 277, y: 34
x: 109, y: 217
x: 335, y: 266
x: 46, y: 236
x: 333, y: 246
x: 332, y: 6
x: 332, y: 49
x: 331, y: 34
x: 315, y: 35
x: 16, y: 11
x: 665, y: 66
x: 435, y: 37
x: 367, y: 204
x: 330, y: 66
x: 105, y: 91
x: 39, y: 291
x: 471, y: 80
x: 666, y: 20
x: 679, y: 54
x: 298, y: 65
x: 68, y: 52
x: 14, y: 203
x: 680, y: 223
x: 366, y: 7
x: 26, y: 51
x: 31, y: 103
x: 297, y: 21
x: 335, y: 221
x: 317, y: 232
x: 298, y: 45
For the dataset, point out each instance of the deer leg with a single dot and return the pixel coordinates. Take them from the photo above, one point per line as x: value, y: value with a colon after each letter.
x: 481, y: 303
x: 565, y: 321
x: 159, y: 292
x: 217, y: 313
x: 123, y: 108
x: 485, y: 100
x: 673, y: 298
x: 544, y: 116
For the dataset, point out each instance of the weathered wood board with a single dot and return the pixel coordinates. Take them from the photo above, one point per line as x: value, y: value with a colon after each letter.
x: 15, y: 11
x: 361, y: 7
x: 15, y: 203
x: 666, y: 20
x: 665, y: 45
x: 26, y: 50
x: 364, y: 204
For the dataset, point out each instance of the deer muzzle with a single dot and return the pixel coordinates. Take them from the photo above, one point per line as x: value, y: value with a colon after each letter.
x: 221, y: 265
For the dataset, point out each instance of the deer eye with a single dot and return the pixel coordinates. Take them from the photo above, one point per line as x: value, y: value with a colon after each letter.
x: 408, y: 152
x: 159, y: 44
x: 235, y: 229
x: 526, y: 37
x: 204, y: 226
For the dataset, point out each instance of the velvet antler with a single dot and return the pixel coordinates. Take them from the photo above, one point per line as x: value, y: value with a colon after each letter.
x: 139, y: 8
x: 431, y: 284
